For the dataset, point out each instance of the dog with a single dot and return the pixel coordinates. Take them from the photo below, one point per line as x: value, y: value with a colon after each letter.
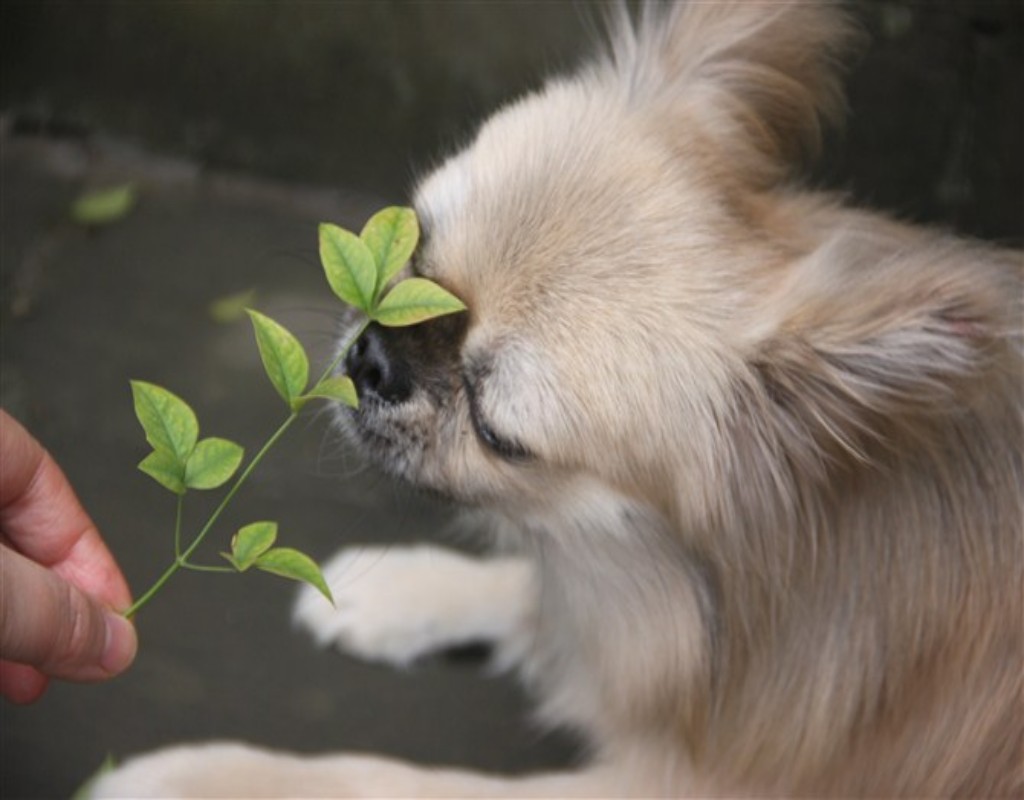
x: 751, y: 456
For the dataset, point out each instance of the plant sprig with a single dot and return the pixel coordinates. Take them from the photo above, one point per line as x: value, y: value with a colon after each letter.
x: 359, y: 270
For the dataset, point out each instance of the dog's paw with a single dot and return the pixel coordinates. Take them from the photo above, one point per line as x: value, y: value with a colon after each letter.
x: 235, y: 770
x: 396, y: 604
x: 211, y: 770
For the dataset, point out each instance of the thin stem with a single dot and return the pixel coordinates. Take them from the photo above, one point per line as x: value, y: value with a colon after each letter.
x: 177, y: 526
x: 181, y: 558
x: 170, y: 570
x: 344, y: 351
x: 156, y: 587
x: 238, y: 485
x: 207, y: 568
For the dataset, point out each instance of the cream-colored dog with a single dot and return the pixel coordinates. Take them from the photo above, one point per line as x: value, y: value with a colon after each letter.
x: 753, y: 457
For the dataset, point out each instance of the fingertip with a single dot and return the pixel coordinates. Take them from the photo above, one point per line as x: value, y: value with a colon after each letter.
x: 122, y: 644
x: 20, y: 683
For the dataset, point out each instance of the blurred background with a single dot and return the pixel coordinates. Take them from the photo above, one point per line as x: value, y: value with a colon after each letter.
x: 240, y: 127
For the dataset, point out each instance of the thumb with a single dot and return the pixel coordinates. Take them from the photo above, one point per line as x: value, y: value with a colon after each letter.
x: 51, y: 625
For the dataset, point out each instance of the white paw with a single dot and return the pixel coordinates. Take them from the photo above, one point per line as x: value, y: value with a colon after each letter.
x: 210, y: 770
x: 396, y: 604
x: 235, y: 770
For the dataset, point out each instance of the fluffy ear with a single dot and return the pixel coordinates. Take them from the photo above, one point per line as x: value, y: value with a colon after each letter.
x: 757, y: 77
x: 876, y: 336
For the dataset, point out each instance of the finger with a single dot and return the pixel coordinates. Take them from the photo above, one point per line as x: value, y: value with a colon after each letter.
x: 42, y: 518
x: 21, y: 683
x: 47, y: 623
x: 90, y: 567
x: 22, y: 455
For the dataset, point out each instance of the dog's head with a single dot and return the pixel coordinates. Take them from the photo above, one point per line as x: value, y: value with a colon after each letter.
x: 632, y: 265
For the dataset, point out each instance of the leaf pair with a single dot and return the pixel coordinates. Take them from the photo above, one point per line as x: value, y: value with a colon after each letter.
x: 359, y: 269
x: 179, y: 460
x: 252, y: 547
x: 287, y: 366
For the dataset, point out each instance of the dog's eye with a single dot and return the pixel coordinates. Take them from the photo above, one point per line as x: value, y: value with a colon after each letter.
x: 509, y: 450
x: 499, y: 445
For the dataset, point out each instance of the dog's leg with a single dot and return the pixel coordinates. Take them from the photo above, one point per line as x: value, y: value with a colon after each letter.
x: 220, y: 770
x: 396, y: 604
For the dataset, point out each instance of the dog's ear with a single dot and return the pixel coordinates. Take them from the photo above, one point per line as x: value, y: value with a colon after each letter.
x: 758, y: 78
x: 874, y: 337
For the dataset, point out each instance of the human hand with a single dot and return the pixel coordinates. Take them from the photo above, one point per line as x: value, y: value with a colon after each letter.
x: 60, y: 588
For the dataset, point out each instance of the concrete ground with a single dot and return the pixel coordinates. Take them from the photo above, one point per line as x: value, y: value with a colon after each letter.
x: 936, y: 135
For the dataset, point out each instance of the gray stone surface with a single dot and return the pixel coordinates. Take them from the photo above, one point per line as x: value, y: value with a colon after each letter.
x: 213, y: 98
x: 366, y: 94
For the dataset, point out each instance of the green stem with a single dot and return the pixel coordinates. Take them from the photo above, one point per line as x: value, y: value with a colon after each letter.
x: 206, y: 568
x: 156, y: 587
x: 344, y: 351
x: 181, y: 558
x: 177, y: 526
x: 238, y: 484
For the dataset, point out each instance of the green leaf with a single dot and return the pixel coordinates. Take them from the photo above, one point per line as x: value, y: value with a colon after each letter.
x: 348, y: 265
x: 415, y: 300
x: 289, y: 563
x: 212, y: 463
x: 165, y: 469
x: 168, y: 421
x: 391, y: 234
x: 338, y: 388
x: 283, y: 357
x: 232, y: 307
x: 104, y: 206
x: 250, y: 543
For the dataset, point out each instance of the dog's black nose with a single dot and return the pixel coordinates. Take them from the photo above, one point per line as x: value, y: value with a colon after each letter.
x: 376, y: 369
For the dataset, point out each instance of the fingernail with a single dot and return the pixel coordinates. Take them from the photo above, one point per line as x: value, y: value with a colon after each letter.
x: 121, y: 645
